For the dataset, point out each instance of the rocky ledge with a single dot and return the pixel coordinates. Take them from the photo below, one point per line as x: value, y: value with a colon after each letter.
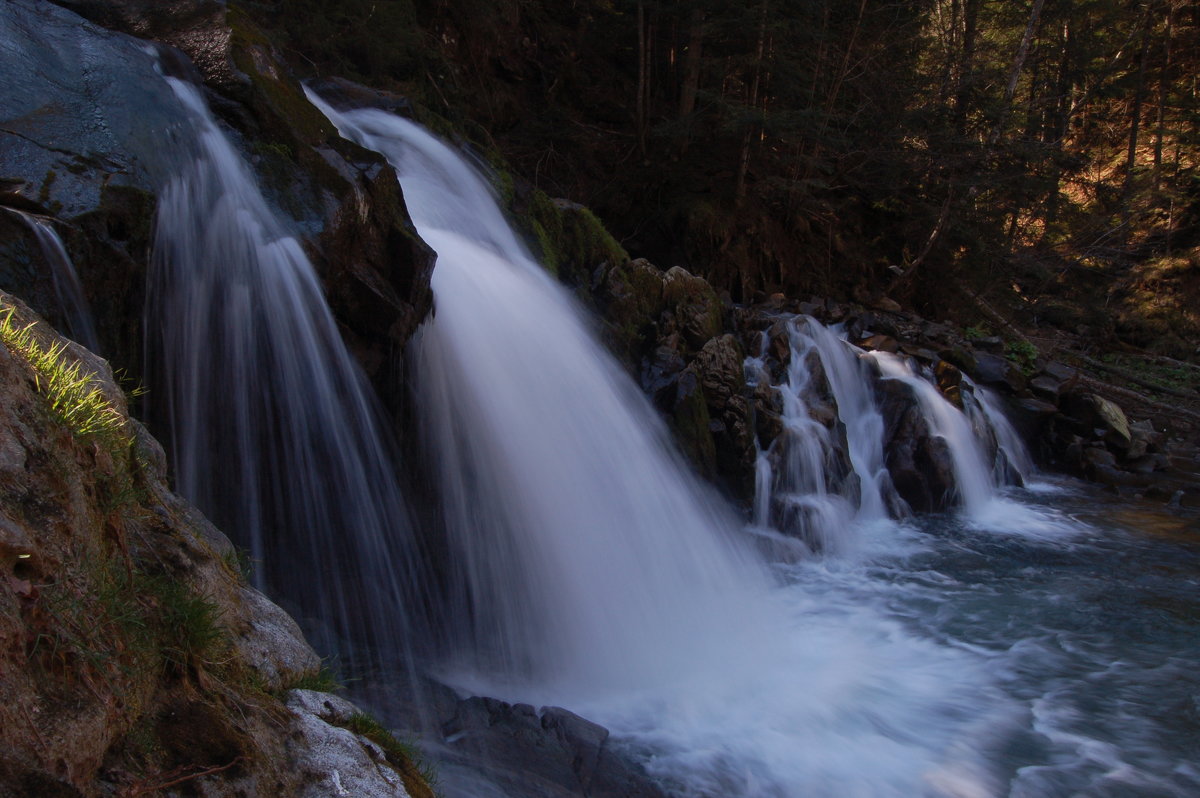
x: 135, y: 657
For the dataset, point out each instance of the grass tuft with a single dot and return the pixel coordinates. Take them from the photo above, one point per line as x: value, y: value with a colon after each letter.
x: 73, y: 395
x: 418, y: 776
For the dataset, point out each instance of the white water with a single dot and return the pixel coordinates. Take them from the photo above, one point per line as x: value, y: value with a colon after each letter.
x: 67, y: 288
x: 793, y: 480
x: 273, y: 432
x: 1013, y: 463
x: 586, y: 556
x: 599, y: 576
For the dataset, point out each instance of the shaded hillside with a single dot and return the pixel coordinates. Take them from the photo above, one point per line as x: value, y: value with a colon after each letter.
x: 1043, y: 155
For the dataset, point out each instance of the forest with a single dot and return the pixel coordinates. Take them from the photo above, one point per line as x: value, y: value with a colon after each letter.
x: 1039, y: 155
x: 599, y: 398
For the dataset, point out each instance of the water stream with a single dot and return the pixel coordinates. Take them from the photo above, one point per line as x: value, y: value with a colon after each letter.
x: 1022, y: 645
x: 68, y: 290
x: 273, y: 431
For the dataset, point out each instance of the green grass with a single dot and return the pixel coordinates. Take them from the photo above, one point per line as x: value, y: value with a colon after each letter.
x: 1023, y: 355
x: 73, y: 394
x: 404, y: 756
x: 324, y: 680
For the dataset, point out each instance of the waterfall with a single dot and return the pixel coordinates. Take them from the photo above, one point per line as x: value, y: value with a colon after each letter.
x: 972, y: 471
x: 585, y: 555
x: 849, y: 379
x: 800, y: 485
x: 272, y: 429
x: 67, y: 288
x: 1012, y: 463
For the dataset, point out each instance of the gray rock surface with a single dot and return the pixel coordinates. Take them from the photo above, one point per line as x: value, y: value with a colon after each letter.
x: 272, y: 643
x: 81, y: 108
x: 334, y: 761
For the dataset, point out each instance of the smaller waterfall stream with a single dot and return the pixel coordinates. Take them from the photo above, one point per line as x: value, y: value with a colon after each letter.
x: 272, y: 428
x: 67, y: 288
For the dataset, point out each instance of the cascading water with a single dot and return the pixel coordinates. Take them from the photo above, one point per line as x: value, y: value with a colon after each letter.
x: 585, y: 553
x: 797, y: 490
x: 67, y: 288
x: 972, y: 470
x: 1013, y: 465
x: 272, y: 428
x: 593, y: 571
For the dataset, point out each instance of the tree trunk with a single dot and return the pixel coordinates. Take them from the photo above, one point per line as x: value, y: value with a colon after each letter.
x: 643, y: 77
x: 1014, y: 74
x: 752, y: 104
x: 691, y: 64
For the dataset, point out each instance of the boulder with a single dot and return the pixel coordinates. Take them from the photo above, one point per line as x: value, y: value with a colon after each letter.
x: 719, y: 365
x: 332, y: 760
x: 994, y: 370
x: 1112, y: 420
x: 880, y: 342
x: 949, y: 382
x: 919, y: 462
x: 81, y: 109
x: 547, y: 753
x: 1046, y: 387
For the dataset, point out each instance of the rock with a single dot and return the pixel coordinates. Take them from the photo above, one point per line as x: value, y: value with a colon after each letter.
x: 1148, y: 464
x: 333, y: 761
x: 548, y: 754
x: 691, y: 423
x: 994, y: 370
x: 1046, y: 387
x: 1143, y: 438
x: 1095, y: 456
x: 887, y: 304
x: 881, y: 343
x: 272, y: 644
x: 719, y: 365
x: 696, y: 305
x: 157, y: 639
x: 920, y: 464
x: 1060, y: 371
x: 959, y: 357
x: 949, y: 382
x: 630, y: 297
x: 81, y: 109
x: 1112, y: 418
x: 992, y: 343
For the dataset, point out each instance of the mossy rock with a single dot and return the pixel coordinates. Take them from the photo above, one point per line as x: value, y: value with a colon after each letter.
x: 573, y: 242
x: 691, y: 423
x: 696, y: 305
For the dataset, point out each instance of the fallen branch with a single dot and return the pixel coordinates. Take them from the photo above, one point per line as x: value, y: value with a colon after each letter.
x: 1100, y: 387
x: 1136, y: 379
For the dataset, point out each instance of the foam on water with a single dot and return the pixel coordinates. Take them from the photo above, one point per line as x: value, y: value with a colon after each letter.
x: 935, y: 660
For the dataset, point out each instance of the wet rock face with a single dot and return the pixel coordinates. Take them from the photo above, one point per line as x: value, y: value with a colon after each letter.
x: 919, y: 462
x: 89, y: 131
x: 81, y: 108
x: 668, y: 328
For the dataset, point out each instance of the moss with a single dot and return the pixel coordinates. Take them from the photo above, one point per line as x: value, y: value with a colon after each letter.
x: 571, y: 240
x: 691, y: 422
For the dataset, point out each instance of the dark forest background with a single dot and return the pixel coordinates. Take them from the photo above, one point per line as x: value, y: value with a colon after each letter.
x: 1036, y: 159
